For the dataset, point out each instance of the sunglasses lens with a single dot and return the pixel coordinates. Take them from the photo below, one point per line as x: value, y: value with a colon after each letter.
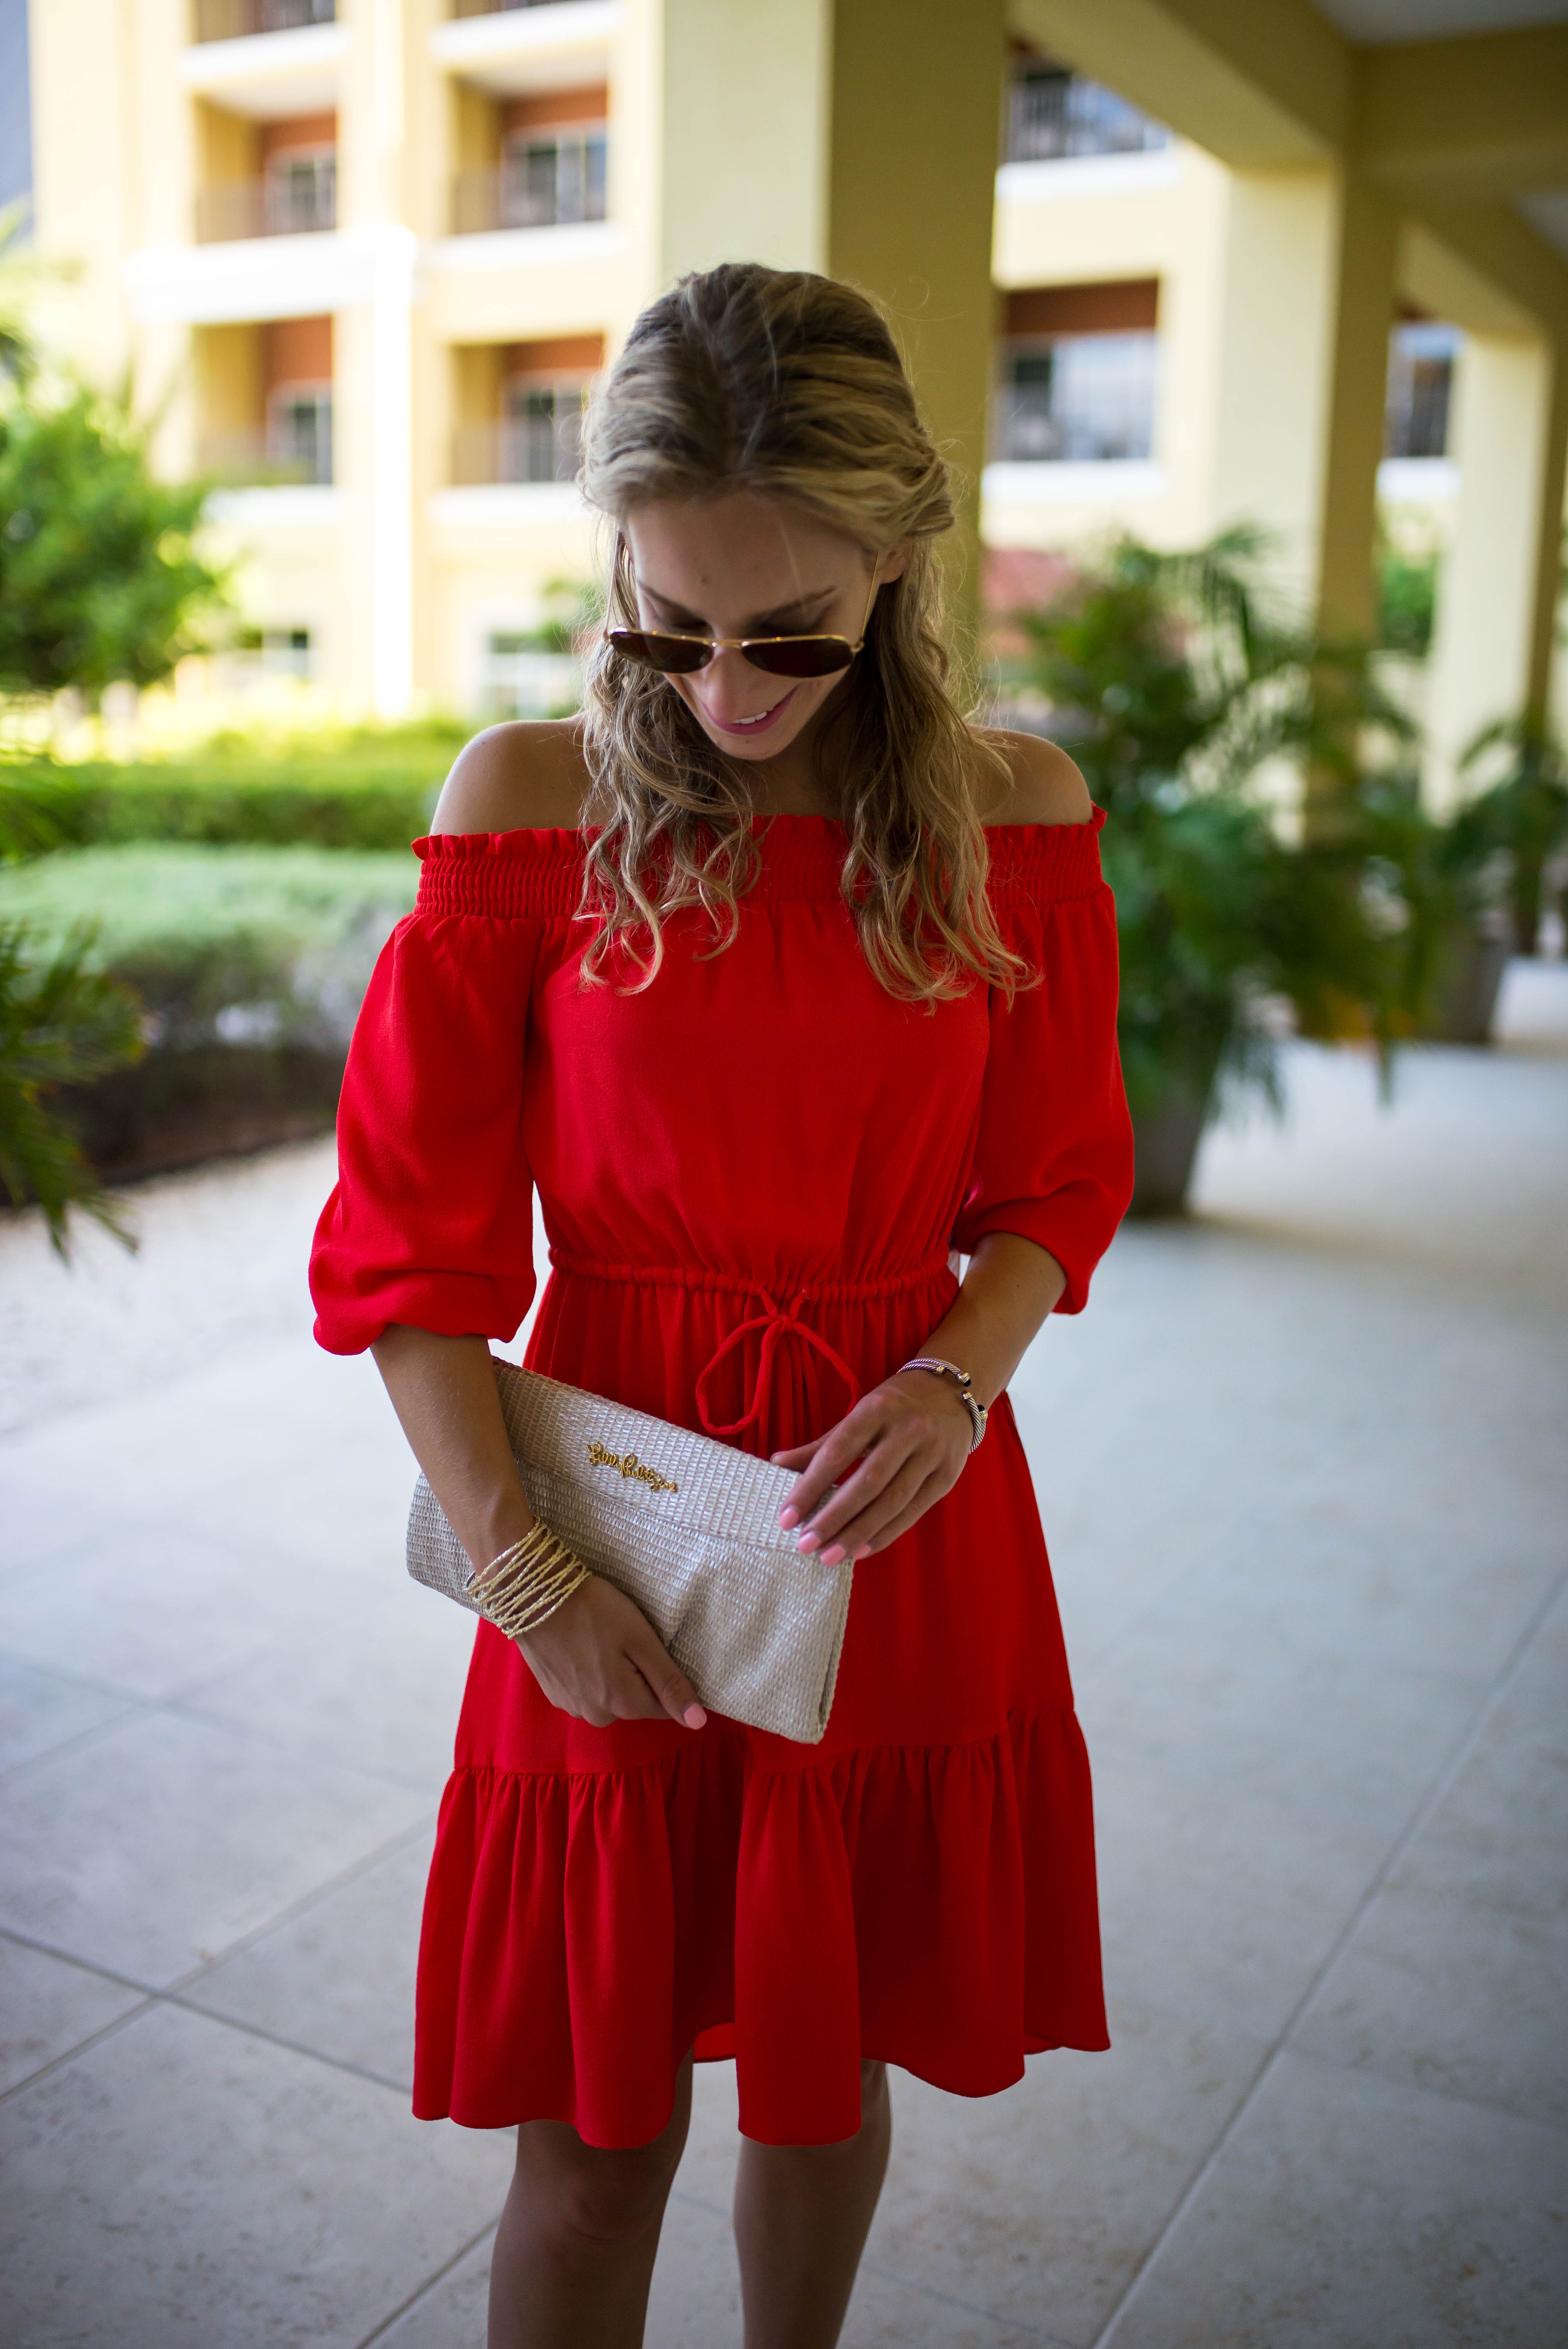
x: 802, y: 655
x: 672, y: 656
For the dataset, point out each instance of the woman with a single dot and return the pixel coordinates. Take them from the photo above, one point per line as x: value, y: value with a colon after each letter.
x: 780, y: 987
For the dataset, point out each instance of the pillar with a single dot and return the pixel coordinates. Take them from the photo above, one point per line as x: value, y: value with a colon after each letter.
x: 1497, y: 593
x: 858, y: 136
x: 373, y: 403
x: 1302, y: 375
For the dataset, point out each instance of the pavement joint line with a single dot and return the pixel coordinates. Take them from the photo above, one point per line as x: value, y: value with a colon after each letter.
x: 290, y: 2046
x: 1437, y: 1792
x: 970, y: 2307
x: 1427, y: 2088
x: 130, y: 1707
x: 83, y: 1965
x: 297, y: 1908
x: 428, y: 2286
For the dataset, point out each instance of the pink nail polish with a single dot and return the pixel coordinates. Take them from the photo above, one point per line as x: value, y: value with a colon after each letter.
x: 809, y: 1542
x: 788, y: 1515
x: 834, y: 1556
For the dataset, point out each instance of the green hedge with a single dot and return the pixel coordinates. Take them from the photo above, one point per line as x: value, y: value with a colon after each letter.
x: 223, y: 946
x: 370, y: 788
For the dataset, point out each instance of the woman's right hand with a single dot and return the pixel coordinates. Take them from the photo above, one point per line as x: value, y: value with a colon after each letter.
x: 599, y: 1659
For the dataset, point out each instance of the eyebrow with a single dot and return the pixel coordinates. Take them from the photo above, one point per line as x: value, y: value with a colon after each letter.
x: 763, y: 624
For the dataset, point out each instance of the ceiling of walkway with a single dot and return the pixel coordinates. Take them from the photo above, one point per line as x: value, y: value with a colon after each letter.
x: 1378, y: 23
x: 1371, y: 23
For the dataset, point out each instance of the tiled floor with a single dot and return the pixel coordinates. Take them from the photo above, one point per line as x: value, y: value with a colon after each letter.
x: 1303, y: 1472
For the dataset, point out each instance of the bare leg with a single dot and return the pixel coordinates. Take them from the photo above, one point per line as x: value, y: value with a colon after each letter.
x: 802, y: 2213
x: 574, y: 2251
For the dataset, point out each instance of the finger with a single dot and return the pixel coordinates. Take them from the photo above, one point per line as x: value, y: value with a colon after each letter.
x: 877, y: 1467
x: 800, y: 1455
x: 930, y: 1492
x: 670, y: 1686
x: 837, y: 1451
x: 879, y: 1509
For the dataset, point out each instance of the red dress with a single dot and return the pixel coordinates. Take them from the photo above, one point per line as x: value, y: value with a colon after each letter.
x: 752, y: 1175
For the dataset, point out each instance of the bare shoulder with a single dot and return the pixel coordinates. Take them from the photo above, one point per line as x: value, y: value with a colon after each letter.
x: 1045, y: 787
x: 525, y: 776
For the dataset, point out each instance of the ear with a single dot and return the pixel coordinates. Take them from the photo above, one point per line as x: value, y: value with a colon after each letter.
x: 895, y: 562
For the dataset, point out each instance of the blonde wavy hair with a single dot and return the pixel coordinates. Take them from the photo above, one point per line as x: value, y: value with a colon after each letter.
x: 778, y: 381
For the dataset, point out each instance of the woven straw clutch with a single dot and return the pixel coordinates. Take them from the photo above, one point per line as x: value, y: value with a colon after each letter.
x: 689, y: 1529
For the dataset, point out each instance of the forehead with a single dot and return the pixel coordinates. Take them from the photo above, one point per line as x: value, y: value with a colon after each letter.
x: 741, y: 553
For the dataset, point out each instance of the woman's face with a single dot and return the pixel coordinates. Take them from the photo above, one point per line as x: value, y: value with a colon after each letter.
x: 748, y: 565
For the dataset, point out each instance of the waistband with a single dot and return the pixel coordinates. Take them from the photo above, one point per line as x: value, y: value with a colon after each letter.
x: 730, y: 1284
x: 776, y: 1321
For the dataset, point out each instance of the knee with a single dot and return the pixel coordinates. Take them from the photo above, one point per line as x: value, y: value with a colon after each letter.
x: 603, y: 2199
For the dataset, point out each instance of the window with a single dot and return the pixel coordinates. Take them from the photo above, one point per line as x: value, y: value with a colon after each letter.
x: 1420, y: 384
x: 542, y: 434
x: 1072, y: 399
x: 300, y: 190
x: 299, y: 431
x: 1054, y: 114
x: 551, y: 178
x: 522, y: 675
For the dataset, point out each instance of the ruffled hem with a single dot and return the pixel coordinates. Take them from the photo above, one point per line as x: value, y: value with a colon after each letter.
x: 933, y: 1907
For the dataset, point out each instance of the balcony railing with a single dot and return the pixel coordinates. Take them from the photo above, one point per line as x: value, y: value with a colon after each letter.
x: 547, y: 183
x: 542, y: 444
x: 1054, y: 114
x: 1077, y: 399
x: 291, y: 203
x: 254, y: 458
x: 231, y: 20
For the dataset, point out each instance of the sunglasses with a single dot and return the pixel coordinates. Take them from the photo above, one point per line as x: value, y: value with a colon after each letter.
x: 676, y: 654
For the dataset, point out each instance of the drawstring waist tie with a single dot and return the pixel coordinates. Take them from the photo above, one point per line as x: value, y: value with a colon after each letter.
x: 776, y: 1321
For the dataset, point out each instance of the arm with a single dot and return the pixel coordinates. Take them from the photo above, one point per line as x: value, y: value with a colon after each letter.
x: 597, y: 1657
x: 912, y: 1434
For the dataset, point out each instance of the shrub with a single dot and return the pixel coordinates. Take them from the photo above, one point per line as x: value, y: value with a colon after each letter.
x: 222, y: 945
x: 371, y: 788
x: 61, y: 1024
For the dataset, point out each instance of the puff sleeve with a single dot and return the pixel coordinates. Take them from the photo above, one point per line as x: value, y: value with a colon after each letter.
x: 431, y: 1219
x: 1053, y: 1158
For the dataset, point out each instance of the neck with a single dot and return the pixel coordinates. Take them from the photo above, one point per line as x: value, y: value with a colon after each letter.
x: 798, y: 781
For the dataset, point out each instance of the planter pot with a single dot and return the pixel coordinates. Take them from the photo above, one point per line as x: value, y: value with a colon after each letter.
x: 177, y: 1107
x: 1165, y: 1150
x: 1467, y: 992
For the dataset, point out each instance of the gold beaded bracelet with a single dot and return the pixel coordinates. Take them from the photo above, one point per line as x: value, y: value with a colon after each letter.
x: 523, y: 1587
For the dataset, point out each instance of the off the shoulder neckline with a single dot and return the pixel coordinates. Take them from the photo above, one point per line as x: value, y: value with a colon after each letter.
x: 567, y: 840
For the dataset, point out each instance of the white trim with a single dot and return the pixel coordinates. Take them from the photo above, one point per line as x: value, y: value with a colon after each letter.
x: 506, y: 505
x: 1090, y: 175
x: 288, y: 505
x: 525, y: 35
x: 526, y: 248
x: 1418, y: 481
x: 1112, y: 482
x: 251, y: 278
x: 269, y: 76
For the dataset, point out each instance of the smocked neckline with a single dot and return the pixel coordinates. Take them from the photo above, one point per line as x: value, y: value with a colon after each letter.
x: 569, y: 839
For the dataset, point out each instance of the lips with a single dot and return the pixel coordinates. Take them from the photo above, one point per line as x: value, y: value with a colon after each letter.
x: 757, y: 724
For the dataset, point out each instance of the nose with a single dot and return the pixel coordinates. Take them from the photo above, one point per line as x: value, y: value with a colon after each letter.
x: 730, y: 687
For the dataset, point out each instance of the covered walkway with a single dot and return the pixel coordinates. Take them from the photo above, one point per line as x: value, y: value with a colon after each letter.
x: 1303, y: 1471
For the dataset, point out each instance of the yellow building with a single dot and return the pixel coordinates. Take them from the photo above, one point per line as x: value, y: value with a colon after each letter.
x: 371, y: 256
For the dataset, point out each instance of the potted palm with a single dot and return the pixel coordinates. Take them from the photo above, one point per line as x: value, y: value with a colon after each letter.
x: 1173, y: 685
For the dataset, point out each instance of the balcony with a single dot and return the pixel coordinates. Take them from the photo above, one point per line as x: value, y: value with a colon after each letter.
x: 238, y: 20
x: 292, y: 450
x: 554, y: 183
x: 505, y: 7
x: 507, y: 52
x: 296, y: 201
x: 1055, y: 116
x: 538, y: 441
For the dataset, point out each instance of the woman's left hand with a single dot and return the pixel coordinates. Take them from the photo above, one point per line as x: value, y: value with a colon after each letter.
x: 911, y: 1437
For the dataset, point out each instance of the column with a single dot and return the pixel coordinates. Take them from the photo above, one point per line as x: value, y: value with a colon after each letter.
x: 1302, y: 375
x: 860, y: 139
x: 1497, y: 591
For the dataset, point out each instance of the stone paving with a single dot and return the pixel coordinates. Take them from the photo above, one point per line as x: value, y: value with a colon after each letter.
x: 1303, y: 1470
